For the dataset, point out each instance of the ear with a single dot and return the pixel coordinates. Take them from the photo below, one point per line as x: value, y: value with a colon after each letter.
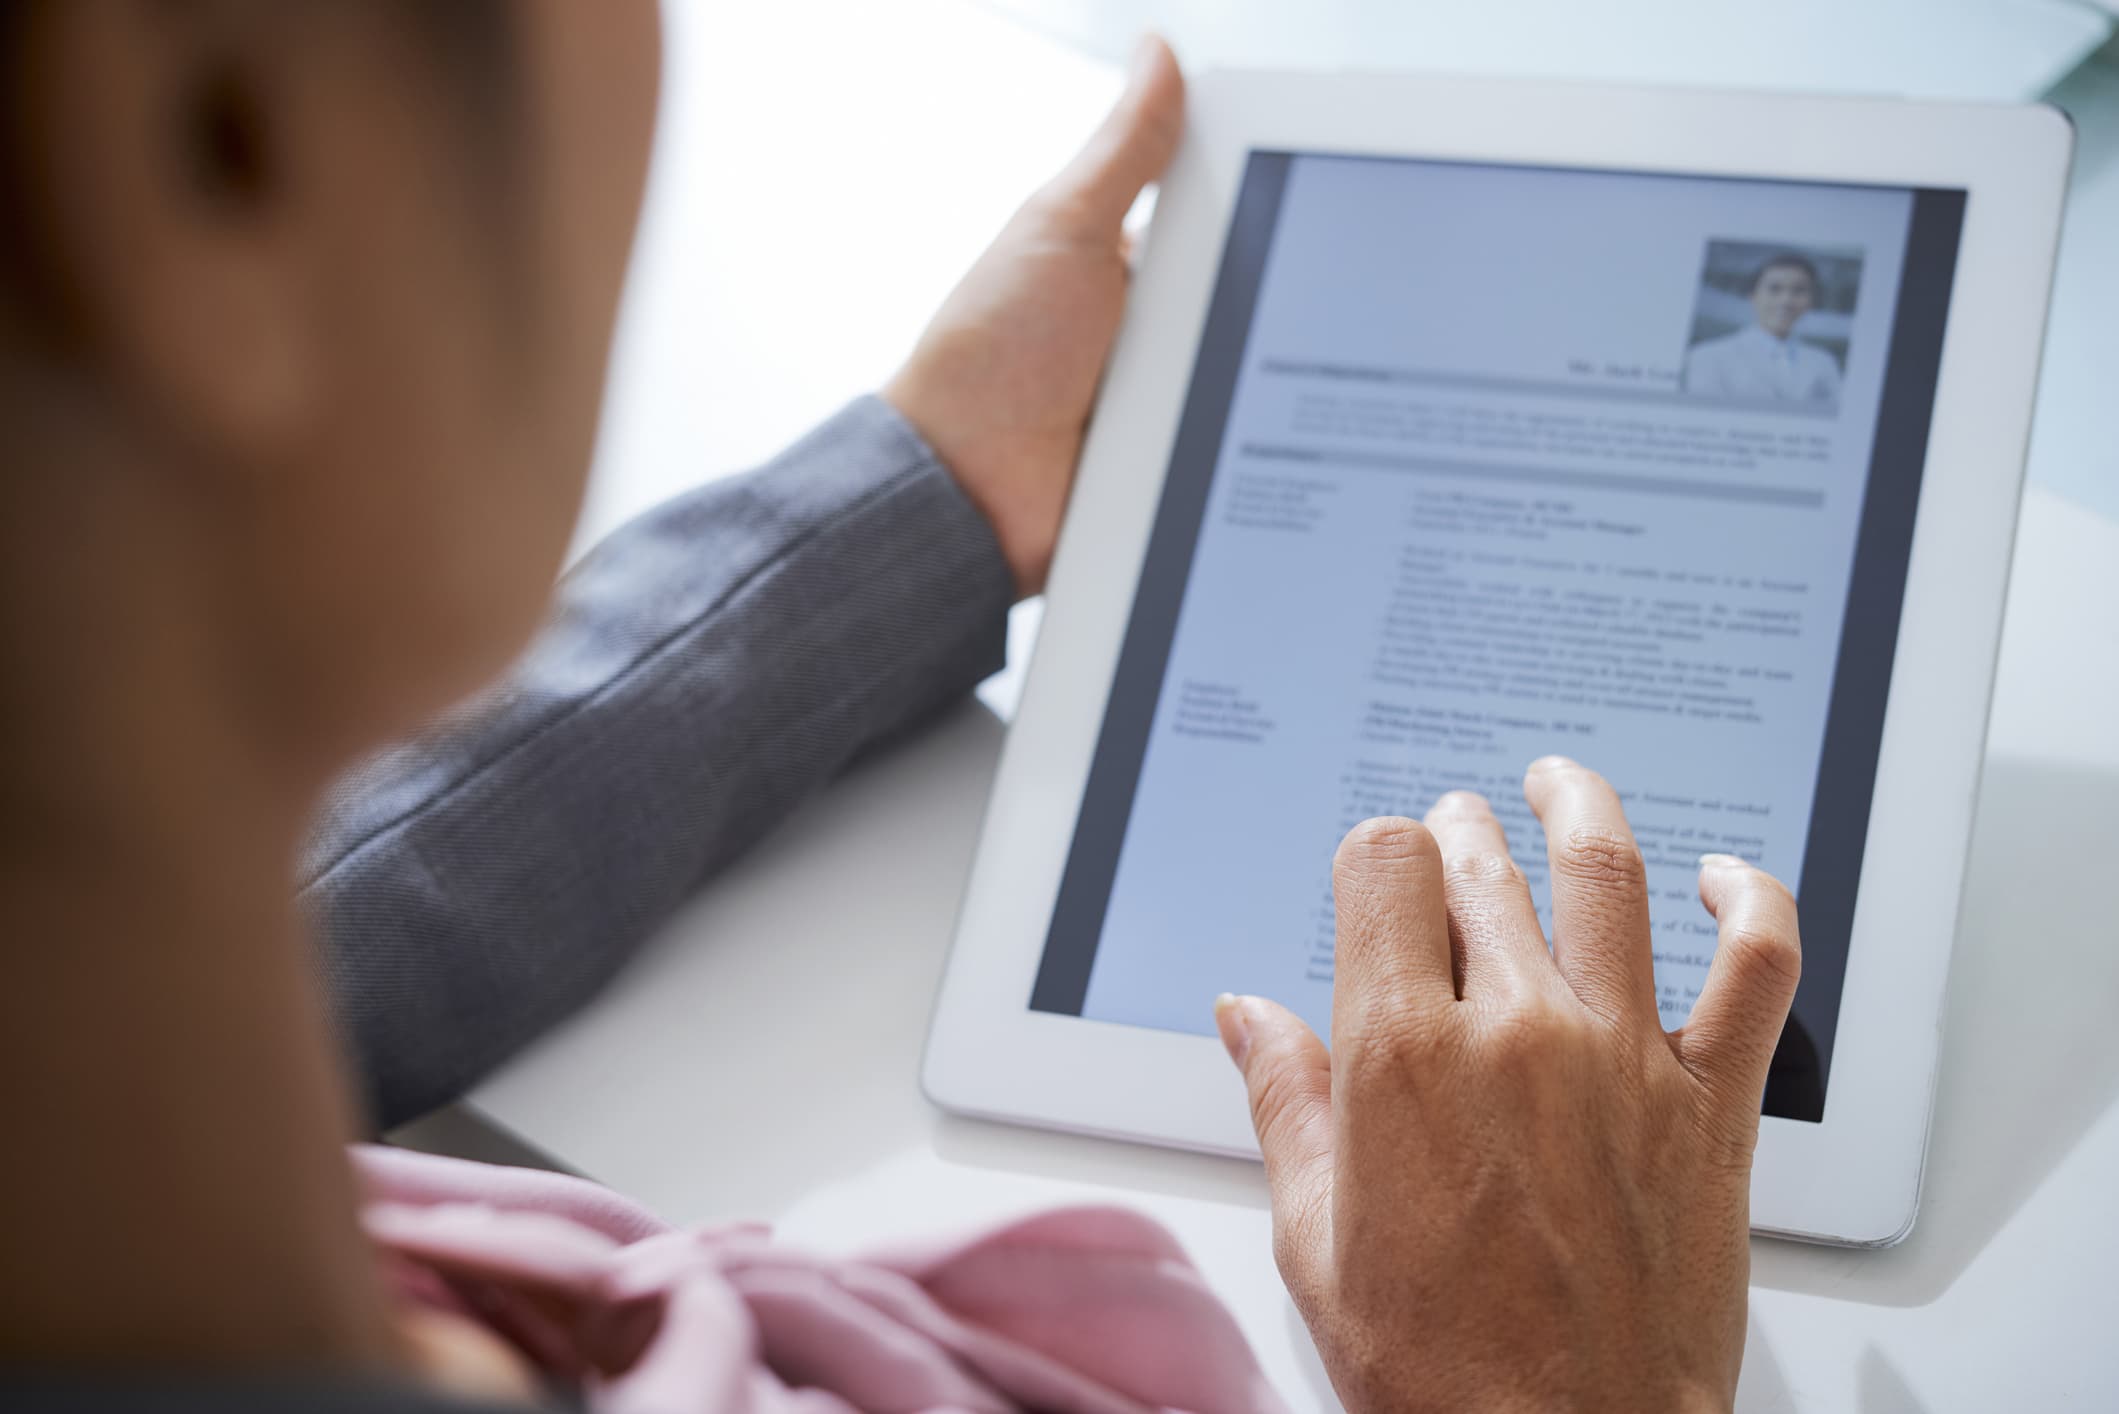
x: 158, y: 140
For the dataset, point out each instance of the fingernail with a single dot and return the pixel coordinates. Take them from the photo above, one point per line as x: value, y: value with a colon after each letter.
x: 1234, y: 1027
x: 1142, y: 48
x: 1721, y: 861
x: 1551, y: 763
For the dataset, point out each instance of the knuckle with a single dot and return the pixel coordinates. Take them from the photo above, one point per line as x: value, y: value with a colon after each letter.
x: 1390, y: 1044
x: 1388, y: 839
x: 1601, y: 855
x: 1772, y: 955
x: 1480, y: 872
x: 1532, y: 1030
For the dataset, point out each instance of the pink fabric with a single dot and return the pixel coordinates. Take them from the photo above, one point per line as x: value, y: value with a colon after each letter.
x: 1079, y: 1309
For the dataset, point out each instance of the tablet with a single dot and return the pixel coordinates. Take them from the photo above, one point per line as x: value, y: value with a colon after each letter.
x: 1455, y: 423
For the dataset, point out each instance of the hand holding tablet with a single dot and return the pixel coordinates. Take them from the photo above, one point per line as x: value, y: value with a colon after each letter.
x: 1492, y: 1113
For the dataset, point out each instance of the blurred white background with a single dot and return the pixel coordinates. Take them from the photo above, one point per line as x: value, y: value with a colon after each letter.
x: 1918, y: 48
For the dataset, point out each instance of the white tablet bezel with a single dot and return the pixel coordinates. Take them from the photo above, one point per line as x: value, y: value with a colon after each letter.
x: 1853, y: 1178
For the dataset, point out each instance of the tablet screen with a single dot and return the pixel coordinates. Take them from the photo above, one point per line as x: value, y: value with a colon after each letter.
x: 1480, y: 463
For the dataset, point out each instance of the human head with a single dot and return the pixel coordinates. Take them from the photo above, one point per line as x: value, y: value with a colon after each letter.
x: 323, y: 292
x: 1783, y: 289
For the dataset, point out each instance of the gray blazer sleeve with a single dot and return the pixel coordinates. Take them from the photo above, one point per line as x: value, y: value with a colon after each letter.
x: 707, y: 668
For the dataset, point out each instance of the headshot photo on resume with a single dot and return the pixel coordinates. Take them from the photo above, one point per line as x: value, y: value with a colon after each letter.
x: 1771, y: 323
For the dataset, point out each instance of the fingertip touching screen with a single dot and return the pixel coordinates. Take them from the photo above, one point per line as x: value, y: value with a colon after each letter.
x: 1481, y: 463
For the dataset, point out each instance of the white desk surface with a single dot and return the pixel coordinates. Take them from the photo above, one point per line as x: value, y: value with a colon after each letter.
x: 759, y: 1059
x: 1976, y: 49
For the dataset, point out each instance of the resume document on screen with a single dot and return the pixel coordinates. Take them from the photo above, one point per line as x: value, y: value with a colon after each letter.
x: 1467, y: 510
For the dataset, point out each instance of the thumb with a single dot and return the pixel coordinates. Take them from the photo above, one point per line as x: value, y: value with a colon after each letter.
x: 1288, y: 1073
x: 1132, y: 146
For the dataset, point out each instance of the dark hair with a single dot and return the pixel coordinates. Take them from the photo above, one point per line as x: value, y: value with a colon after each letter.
x: 1785, y: 260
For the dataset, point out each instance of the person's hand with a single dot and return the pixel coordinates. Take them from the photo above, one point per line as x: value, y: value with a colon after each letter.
x: 1000, y: 384
x: 1506, y: 1187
